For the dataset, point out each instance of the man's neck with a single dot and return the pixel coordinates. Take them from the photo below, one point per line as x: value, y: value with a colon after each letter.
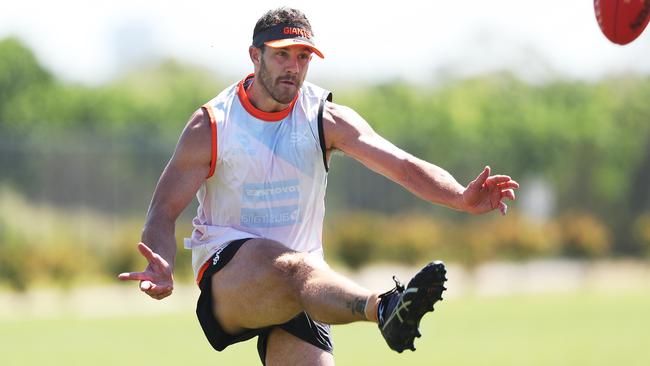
x: 262, y: 100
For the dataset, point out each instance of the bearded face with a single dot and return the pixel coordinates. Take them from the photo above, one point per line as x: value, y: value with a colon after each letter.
x: 282, y: 72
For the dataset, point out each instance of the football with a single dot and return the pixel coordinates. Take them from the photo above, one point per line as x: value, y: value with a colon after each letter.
x: 622, y: 21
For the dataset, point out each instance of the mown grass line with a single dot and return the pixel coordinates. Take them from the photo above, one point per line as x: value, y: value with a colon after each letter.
x: 583, y: 328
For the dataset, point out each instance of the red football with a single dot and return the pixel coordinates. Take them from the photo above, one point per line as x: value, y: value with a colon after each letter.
x: 622, y: 21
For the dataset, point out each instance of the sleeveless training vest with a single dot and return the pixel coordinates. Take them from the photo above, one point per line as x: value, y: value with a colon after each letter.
x: 268, y: 174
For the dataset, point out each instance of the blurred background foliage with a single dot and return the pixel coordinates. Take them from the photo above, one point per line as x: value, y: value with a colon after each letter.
x: 79, y: 165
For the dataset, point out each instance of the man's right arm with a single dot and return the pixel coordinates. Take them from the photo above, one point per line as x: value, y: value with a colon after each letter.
x: 347, y: 131
x: 178, y: 183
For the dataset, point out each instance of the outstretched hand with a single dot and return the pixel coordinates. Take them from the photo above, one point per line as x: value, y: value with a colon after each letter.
x: 156, y: 280
x: 486, y: 193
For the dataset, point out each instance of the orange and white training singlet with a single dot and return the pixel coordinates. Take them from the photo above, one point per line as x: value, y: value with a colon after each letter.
x: 269, y: 175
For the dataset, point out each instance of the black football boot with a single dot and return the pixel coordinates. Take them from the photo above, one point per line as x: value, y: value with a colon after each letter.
x: 401, y: 309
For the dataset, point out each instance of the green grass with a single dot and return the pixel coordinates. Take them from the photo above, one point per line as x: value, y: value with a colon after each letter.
x: 569, y: 329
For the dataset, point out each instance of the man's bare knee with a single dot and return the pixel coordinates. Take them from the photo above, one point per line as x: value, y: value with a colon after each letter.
x: 283, y: 268
x: 299, y: 270
x: 293, y: 265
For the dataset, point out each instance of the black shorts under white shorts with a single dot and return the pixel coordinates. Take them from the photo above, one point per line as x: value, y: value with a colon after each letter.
x: 302, y: 326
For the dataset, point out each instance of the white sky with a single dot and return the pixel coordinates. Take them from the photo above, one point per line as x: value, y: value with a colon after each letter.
x: 92, y: 41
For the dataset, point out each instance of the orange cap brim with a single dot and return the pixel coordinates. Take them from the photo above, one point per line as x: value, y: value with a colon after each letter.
x: 292, y: 42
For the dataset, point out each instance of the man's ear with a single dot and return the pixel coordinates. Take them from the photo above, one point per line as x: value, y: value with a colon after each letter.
x: 255, y: 55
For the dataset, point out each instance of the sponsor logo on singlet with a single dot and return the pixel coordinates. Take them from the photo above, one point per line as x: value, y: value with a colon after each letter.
x: 271, y: 191
x: 270, y: 216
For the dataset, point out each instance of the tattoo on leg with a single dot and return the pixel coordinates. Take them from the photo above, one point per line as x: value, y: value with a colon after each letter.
x: 357, y: 306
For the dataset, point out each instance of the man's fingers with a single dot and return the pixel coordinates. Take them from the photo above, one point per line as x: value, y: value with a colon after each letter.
x: 155, y: 291
x: 503, y: 208
x: 509, y: 184
x: 146, y: 286
x: 152, y: 288
x: 155, y: 261
x: 133, y: 276
x: 495, y: 180
x: 161, y: 295
x: 480, y: 180
x: 146, y: 252
x: 509, y: 194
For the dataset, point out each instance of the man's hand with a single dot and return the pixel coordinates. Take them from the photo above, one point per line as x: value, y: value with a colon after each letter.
x: 486, y: 193
x: 157, y: 280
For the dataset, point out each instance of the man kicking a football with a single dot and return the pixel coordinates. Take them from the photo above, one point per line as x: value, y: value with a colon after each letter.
x: 256, y: 156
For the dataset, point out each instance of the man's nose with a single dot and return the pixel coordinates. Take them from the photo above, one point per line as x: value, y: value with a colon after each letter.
x: 293, y: 65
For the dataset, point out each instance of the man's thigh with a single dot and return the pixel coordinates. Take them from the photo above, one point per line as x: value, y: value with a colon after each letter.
x: 255, y: 289
x: 284, y: 349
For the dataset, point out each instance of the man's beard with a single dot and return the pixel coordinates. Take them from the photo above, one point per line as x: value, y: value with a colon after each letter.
x: 282, y: 97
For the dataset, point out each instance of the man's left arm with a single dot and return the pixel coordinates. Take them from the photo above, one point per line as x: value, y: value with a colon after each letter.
x: 346, y: 130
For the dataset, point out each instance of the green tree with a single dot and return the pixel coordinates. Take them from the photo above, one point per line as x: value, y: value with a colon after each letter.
x: 20, y: 72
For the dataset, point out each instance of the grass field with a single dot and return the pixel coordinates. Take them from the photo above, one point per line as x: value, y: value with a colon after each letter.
x: 582, y: 328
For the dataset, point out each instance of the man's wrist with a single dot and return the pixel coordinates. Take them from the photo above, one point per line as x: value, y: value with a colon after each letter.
x: 459, y: 202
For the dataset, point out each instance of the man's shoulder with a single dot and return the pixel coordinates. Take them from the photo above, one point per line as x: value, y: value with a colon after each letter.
x: 312, y: 90
x: 224, y: 96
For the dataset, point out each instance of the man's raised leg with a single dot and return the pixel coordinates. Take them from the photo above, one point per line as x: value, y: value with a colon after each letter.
x: 267, y: 284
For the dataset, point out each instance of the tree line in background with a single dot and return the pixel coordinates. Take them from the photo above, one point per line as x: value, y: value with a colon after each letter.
x: 79, y: 164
